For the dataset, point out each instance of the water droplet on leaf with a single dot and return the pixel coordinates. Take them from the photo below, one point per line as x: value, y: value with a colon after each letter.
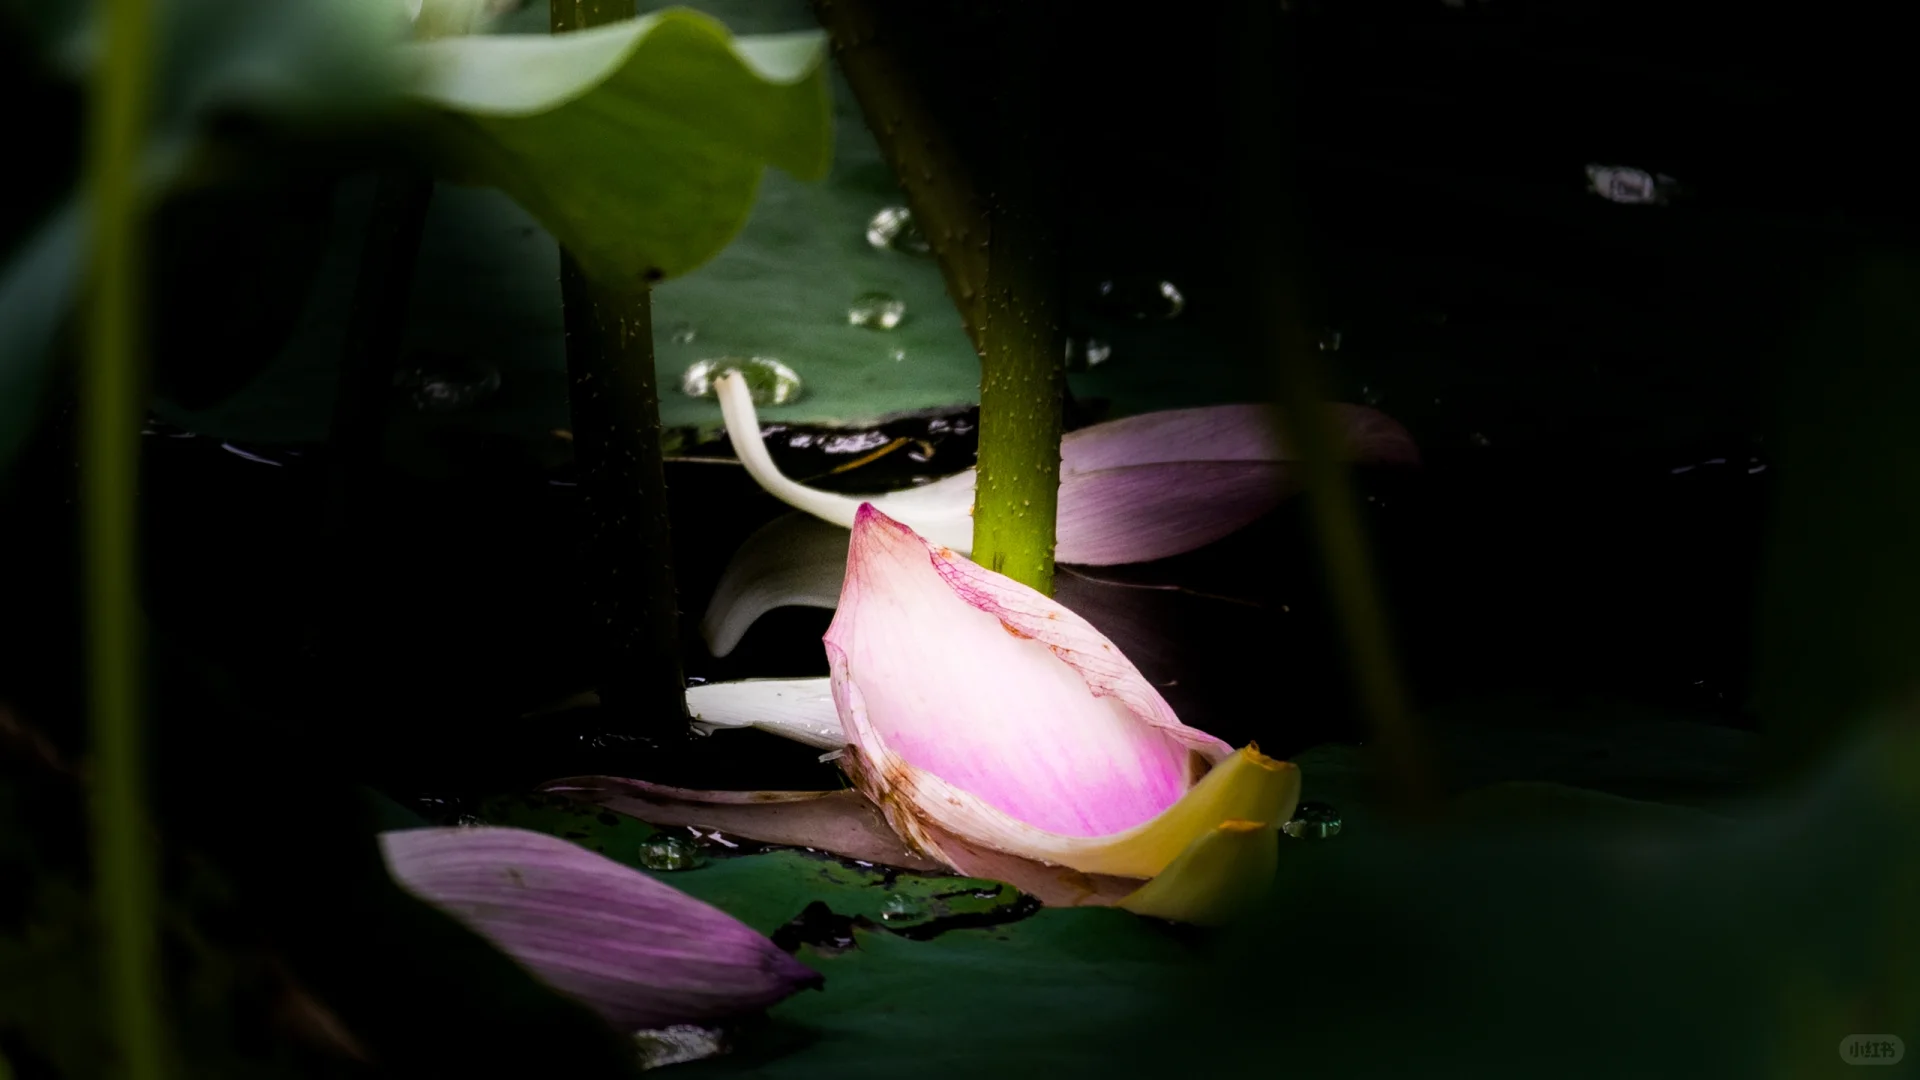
x: 671, y: 853
x: 1141, y: 298
x: 876, y: 311
x: 1084, y: 353
x: 893, y: 229
x: 896, y: 908
x: 769, y: 381
x: 1313, y: 821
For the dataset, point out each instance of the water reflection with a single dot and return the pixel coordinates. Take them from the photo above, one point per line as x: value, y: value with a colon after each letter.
x: 769, y: 382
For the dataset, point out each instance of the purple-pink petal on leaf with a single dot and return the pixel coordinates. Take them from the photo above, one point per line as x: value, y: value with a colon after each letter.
x: 1139, y: 513
x: 639, y: 952
x: 1226, y: 433
x: 1372, y: 436
x: 1165, y: 483
x: 1207, y: 433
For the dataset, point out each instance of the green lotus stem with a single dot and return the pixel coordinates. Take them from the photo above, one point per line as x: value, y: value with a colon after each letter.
x: 940, y: 190
x: 111, y: 403
x: 1008, y: 299
x: 1023, y: 374
x: 1273, y: 255
x: 615, y: 407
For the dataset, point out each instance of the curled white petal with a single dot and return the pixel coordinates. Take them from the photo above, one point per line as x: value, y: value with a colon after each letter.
x: 795, y: 560
x: 797, y: 709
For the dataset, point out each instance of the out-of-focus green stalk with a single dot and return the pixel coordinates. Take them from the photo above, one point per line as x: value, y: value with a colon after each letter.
x: 615, y: 406
x: 1274, y: 254
x: 110, y: 402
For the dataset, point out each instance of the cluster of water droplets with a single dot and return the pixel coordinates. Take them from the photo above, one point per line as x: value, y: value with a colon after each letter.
x: 1140, y: 299
x: 876, y: 311
x: 893, y: 229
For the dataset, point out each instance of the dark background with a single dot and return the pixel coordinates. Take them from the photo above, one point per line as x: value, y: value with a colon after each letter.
x: 1591, y: 383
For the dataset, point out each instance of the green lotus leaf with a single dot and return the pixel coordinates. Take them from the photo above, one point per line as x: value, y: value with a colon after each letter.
x: 639, y: 145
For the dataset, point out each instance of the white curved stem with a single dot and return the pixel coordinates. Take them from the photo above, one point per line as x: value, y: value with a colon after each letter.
x: 940, y: 511
x: 743, y: 429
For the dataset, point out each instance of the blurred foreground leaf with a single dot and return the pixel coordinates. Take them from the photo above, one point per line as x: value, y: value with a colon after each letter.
x: 1635, y: 943
x: 641, y: 144
x: 1840, y: 621
x: 294, y: 64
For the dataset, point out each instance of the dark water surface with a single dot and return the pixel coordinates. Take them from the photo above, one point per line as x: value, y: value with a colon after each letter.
x: 1591, y: 382
x: 1625, y: 580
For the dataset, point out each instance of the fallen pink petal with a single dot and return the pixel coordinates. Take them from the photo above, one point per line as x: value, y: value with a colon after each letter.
x: 975, y: 707
x: 640, y: 953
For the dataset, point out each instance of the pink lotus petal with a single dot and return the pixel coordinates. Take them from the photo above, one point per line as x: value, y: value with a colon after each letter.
x: 1225, y: 433
x: 999, y: 691
x: 1165, y: 483
x: 842, y: 822
x: 640, y: 953
x: 1209, y: 433
x: 1140, y: 513
x: 1373, y: 436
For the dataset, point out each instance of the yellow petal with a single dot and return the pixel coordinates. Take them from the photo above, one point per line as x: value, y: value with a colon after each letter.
x: 1219, y: 876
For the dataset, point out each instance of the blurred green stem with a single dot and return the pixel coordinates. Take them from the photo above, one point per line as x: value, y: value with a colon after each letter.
x: 615, y: 407
x: 1274, y: 255
x: 110, y: 402
x: 1022, y: 361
